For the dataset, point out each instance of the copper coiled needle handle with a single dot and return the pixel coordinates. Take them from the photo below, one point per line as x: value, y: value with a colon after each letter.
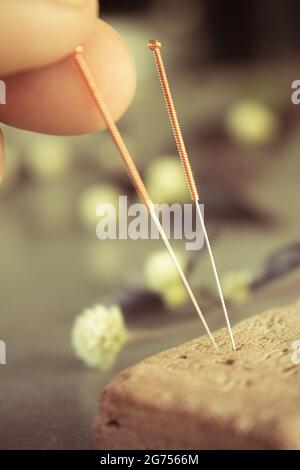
x: 155, y: 46
x: 114, y: 131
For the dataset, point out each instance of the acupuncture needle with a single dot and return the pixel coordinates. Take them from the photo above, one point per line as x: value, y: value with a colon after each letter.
x: 155, y: 46
x: 134, y: 175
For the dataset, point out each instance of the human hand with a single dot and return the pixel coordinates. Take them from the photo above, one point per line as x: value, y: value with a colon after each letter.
x: 45, y: 91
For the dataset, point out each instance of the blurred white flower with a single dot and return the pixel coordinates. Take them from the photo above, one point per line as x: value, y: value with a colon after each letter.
x: 91, y: 198
x: 175, y: 294
x: 98, y: 334
x: 160, y: 270
x: 162, y: 276
x: 49, y: 157
x: 236, y: 286
x: 250, y: 121
x: 165, y: 180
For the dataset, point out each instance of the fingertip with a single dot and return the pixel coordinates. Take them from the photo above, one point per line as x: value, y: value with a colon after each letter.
x: 56, y: 100
x: 36, y: 35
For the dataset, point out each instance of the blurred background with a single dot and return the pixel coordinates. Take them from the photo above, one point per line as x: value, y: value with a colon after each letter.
x: 231, y: 65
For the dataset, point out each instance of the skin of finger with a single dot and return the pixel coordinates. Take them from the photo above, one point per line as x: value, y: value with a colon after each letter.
x: 37, y: 33
x: 2, y: 156
x: 56, y: 99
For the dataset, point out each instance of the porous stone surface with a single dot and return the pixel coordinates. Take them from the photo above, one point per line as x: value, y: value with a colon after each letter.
x: 191, y: 397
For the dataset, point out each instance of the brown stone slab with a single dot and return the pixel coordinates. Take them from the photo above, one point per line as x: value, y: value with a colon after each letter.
x: 190, y: 397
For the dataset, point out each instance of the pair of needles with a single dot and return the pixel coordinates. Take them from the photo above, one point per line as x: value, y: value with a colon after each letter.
x: 137, y: 180
x: 155, y: 46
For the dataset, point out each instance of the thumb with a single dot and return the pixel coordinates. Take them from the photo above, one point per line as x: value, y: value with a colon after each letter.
x: 38, y: 33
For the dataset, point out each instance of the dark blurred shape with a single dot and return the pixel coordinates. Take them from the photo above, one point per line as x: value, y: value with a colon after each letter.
x: 128, y: 7
x: 236, y: 31
x: 241, y: 31
x: 140, y: 301
x: 232, y: 27
x: 280, y: 263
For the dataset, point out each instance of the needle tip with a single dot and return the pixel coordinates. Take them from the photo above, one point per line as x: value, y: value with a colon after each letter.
x: 232, y: 339
x: 79, y: 49
x: 154, y: 44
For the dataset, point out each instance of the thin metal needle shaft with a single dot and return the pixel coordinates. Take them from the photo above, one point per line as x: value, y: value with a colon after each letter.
x: 216, y: 275
x: 155, y: 46
x: 182, y: 275
x: 135, y: 176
